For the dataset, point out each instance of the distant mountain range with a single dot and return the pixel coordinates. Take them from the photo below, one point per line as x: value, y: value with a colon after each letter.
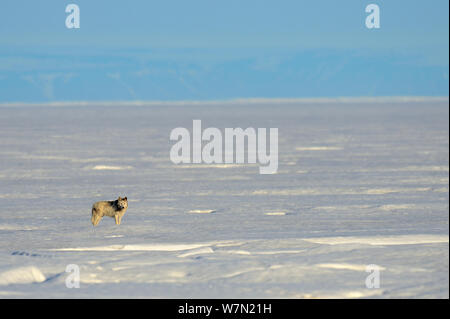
x: 180, y: 74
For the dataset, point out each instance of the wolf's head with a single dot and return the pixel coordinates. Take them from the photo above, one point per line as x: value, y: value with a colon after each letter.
x: 122, y: 203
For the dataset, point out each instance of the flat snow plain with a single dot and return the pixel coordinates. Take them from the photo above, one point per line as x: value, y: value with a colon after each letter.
x: 358, y: 183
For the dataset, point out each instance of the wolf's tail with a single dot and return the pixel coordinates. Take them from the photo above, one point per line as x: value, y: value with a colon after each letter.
x: 95, y: 218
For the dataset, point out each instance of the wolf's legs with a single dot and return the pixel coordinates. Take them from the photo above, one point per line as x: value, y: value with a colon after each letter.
x: 117, y: 218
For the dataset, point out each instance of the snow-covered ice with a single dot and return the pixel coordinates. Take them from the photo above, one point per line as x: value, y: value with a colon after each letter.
x: 359, y: 183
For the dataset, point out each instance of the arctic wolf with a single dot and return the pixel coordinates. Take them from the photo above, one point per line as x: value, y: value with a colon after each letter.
x: 115, y: 208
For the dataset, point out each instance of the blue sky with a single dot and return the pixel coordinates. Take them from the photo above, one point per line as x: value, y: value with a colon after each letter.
x: 208, y: 50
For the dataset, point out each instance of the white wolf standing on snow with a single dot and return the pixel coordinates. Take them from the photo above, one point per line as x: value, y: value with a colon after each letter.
x: 115, y: 208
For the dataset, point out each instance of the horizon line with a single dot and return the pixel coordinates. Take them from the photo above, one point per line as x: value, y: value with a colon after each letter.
x: 236, y: 101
